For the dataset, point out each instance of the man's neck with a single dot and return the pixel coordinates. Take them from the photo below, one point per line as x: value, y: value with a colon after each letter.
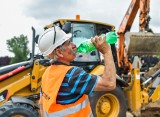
x: 63, y: 62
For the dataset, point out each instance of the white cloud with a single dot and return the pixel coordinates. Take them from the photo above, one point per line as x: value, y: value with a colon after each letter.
x: 13, y: 23
x: 17, y: 16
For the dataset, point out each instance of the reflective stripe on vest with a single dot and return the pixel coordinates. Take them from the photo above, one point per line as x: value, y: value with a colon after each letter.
x: 70, y: 110
x: 91, y: 114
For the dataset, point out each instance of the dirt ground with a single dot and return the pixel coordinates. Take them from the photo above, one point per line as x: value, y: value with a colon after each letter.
x: 150, y: 110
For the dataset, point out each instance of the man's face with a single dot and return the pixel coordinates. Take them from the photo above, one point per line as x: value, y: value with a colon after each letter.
x: 69, y: 51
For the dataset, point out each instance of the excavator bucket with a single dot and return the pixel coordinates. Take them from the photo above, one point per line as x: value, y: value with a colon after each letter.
x: 142, y: 43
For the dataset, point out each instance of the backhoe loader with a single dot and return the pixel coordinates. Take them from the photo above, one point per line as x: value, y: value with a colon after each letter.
x: 20, y: 83
x: 20, y: 86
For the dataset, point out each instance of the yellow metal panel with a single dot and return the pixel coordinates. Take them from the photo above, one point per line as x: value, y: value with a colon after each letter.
x: 129, y: 97
x: 37, y: 73
x: 14, y: 78
x: 16, y: 86
x: 156, y: 95
x: 134, y: 92
x: 145, y: 96
x: 26, y: 92
x: 62, y: 21
x: 98, y: 70
x: 84, y: 21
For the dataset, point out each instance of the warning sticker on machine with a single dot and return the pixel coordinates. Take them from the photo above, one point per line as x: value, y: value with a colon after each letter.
x: 138, y: 76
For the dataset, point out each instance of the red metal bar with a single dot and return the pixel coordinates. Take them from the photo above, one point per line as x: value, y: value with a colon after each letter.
x: 7, y: 75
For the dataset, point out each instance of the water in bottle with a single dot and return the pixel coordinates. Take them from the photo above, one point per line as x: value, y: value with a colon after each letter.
x: 111, y: 37
x: 87, y: 46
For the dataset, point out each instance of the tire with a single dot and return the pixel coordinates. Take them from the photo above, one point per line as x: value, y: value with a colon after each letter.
x: 10, y: 109
x: 109, y: 103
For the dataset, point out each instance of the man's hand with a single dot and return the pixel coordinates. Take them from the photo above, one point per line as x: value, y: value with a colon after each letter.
x: 101, y: 44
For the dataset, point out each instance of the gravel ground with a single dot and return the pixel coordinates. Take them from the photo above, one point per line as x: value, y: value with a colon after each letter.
x: 151, y: 110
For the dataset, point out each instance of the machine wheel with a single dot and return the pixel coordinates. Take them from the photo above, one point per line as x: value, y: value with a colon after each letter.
x: 109, y: 103
x: 10, y: 109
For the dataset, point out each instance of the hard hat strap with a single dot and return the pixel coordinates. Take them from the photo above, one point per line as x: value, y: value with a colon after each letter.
x: 54, y: 35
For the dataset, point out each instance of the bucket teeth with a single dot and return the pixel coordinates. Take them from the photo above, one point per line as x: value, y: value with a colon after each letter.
x: 138, y: 43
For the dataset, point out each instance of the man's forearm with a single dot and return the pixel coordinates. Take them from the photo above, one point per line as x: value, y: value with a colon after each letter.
x: 109, y: 71
x: 108, y: 79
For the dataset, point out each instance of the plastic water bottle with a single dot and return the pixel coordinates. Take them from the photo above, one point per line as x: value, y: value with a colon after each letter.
x: 87, y: 46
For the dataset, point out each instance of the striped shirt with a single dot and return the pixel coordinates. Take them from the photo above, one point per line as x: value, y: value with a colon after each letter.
x: 76, y: 83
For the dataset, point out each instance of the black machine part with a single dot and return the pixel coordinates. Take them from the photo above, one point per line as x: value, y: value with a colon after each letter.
x: 153, y: 76
x: 24, y: 100
x: 19, y: 106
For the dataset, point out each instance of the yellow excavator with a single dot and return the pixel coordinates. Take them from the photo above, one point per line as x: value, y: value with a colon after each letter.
x: 20, y: 83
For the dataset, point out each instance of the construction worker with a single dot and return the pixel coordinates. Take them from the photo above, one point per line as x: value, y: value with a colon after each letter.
x: 65, y: 88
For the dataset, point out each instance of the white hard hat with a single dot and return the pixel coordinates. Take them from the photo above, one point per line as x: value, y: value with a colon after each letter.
x: 51, y: 39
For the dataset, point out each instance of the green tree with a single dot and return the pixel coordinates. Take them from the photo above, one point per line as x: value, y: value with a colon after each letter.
x: 18, y: 46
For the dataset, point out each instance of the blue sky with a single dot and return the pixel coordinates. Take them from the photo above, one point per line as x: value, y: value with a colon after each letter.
x: 18, y: 16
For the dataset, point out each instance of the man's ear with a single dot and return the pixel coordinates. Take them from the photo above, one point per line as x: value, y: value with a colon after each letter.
x: 59, y: 53
x: 50, y: 55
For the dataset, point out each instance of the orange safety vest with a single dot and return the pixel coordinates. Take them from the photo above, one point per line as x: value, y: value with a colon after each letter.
x: 51, y: 82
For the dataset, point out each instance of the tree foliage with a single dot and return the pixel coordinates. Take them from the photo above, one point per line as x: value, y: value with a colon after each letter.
x: 18, y: 46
